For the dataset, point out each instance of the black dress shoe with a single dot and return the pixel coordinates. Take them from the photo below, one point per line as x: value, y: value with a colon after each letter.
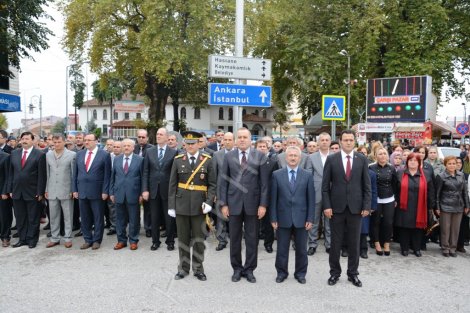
x: 379, y: 252
x: 311, y: 251
x: 301, y: 280
x: 180, y: 275
x: 404, y: 253
x: 163, y: 234
x: 47, y: 227
x: 453, y: 254
x: 250, y: 277
x: 155, y: 246
x: 79, y: 234
x: 344, y: 254
x: 32, y: 245
x: 14, y: 228
x: 418, y: 253
x: 19, y: 244
x: 148, y: 233
x: 355, y: 281
x: 387, y: 253
x: 170, y: 246
x: 75, y: 228
x: 111, y: 232
x: 333, y: 280
x: 15, y: 235
x: 236, y: 276
x: 280, y: 278
x: 446, y: 254
x: 107, y: 225
x: 220, y: 246
x: 49, y: 235
x: 269, y: 249
x: 364, y: 255
x: 200, y: 276
x: 327, y: 250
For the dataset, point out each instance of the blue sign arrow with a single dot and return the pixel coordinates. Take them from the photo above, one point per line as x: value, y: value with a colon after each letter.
x: 241, y: 95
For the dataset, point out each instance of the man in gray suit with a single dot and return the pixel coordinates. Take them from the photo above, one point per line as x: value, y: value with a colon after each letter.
x: 318, y: 160
x: 305, y: 161
x: 60, y: 164
x: 244, y: 197
x: 218, y: 161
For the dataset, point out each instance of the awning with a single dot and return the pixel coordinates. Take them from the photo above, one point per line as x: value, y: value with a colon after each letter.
x: 409, y: 129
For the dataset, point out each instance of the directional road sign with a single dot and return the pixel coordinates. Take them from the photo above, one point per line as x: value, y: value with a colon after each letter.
x: 241, y: 95
x: 333, y: 108
x: 463, y: 129
x: 239, y: 68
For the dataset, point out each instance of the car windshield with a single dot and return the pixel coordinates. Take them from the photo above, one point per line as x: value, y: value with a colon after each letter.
x: 450, y: 151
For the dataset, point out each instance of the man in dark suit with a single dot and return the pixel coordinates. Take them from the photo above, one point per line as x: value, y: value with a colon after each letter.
x: 6, y: 214
x: 4, y: 146
x: 125, y: 192
x: 91, y: 187
x: 27, y: 185
x: 155, y: 179
x: 244, y: 197
x: 141, y: 150
x: 346, y: 191
x: 292, y: 209
x: 218, y: 144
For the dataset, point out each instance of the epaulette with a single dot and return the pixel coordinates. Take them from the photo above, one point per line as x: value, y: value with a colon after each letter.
x: 179, y: 156
x: 206, y: 155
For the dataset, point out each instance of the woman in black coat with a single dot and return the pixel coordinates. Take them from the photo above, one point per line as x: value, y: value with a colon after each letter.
x: 415, y: 197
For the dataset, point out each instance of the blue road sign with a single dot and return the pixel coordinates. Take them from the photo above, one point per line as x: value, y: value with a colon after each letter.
x: 333, y: 108
x: 9, y: 103
x: 462, y: 129
x: 241, y: 95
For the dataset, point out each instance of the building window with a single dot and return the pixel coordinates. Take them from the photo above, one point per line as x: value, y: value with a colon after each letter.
x: 183, y: 113
x: 126, y: 115
x: 138, y: 116
x: 230, y: 114
x: 220, y: 127
x: 265, y: 113
x: 116, y: 115
x: 105, y: 129
x: 197, y: 113
x: 95, y: 115
x: 105, y: 114
x: 243, y: 112
x: 221, y: 113
x: 230, y: 129
x: 256, y: 112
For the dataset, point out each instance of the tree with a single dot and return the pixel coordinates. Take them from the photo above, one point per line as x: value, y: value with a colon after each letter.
x: 21, y: 31
x: 3, y: 121
x: 59, y: 128
x: 78, y: 86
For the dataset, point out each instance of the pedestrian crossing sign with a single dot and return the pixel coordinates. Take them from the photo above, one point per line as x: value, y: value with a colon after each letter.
x: 333, y: 108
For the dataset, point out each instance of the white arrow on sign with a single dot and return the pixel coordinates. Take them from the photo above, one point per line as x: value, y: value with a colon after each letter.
x: 263, y: 96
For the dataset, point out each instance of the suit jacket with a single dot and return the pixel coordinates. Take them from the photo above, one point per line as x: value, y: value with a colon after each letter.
x: 213, y: 147
x: 4, y: 170
x: 30, y: 181
x: 144, y: 149
x: 157, y: 177
x: 8, y: 149
x: 339, y: 193
x: 244, y: 188
x: 317, y: 166
x: 92, y: 184
x: 305, y: 161
x: 292, y: 208
x: 60, y: 174
x: 127, y: 187
x: 217, y: 163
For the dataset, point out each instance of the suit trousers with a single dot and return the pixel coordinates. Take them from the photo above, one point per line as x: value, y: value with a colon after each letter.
x: 221, y: 232
x: 339, y: 223
x: 313, y: 232
x: 92, y: 213
x: 76, y: 214
x: 110, y: 209
x: 147, y: 216
x: 127, y: 213
x: 191, y: 229
x: 282, y: 254
x: 27, y: 220
x: 56, y: 206
x: 6, y: 218
x: 413, y: 236
x: 250, y: 225
x: 450, y: 225
x: 267, y: 230
x: 159, y: 209
x: 464, y: 231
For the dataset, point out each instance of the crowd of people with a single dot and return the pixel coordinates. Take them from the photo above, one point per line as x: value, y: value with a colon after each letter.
x: 287, y: 190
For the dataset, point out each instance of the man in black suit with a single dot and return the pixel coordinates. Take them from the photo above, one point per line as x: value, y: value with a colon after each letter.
x: 244, y: 197
x: 218, y: 145
x: 6, y: 214
x: 155, y: 180
x: 346, y: 191
x: 141, y: 149
x: 4, y: 146
x: 27, y: 185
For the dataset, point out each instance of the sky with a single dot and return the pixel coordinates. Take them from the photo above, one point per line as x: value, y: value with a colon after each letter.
x: 46, y: 77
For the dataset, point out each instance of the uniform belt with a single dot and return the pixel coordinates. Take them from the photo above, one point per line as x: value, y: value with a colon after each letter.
x: 192, y: 187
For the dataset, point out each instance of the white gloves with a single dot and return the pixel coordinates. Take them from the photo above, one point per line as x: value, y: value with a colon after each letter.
x: 206, y: 208
x: 172, y: 212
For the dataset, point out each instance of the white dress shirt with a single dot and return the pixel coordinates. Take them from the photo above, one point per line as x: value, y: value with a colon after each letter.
x: 94, y: 152
x: 345, y: 159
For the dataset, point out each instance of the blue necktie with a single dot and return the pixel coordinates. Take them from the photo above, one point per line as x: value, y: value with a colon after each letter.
x: 160, y: 156
x: 292, y: 180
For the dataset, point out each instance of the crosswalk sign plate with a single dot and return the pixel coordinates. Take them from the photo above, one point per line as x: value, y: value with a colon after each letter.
x: 333, y: 108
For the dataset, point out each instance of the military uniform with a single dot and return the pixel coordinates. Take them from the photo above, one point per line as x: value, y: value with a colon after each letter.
x: 190, y: 187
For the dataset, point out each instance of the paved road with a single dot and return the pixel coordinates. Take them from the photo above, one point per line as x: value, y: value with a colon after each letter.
x: 61, y: 280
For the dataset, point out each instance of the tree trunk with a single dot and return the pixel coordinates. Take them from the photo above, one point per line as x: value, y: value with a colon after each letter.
x: 157, y: 93
x: 176, y: 119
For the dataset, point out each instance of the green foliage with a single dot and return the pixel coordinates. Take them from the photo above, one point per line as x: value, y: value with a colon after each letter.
x: 3, y: 121
x: 59, y: 128
x: 77, y: 84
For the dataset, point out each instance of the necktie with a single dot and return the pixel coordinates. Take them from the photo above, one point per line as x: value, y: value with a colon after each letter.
x: 244, y: 163
x: 192, y: 162
x: 348, y: 167
x: 23, y: 159
x: 88, y: 160
x: 140, y: 151
x: 292, y: 180
x: 160, y: 156
x: 126, y: 166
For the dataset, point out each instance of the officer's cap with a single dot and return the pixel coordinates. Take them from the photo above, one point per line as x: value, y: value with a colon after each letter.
x: 191, y: 136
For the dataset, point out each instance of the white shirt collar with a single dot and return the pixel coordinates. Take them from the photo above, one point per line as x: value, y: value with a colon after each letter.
x: 196, y: 155
x: 344, y: 154
x: 28, y: 150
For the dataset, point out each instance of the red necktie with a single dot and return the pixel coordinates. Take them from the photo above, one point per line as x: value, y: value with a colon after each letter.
x: 348, y: 167
x: 126, y: 166
x: 23, y: 159
x: 244, y: 164
x: 88, y: 160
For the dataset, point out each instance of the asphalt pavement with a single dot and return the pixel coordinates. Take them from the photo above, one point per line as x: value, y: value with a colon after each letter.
x: 72, y: 280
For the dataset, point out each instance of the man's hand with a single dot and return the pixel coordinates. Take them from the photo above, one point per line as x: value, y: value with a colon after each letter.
x: 274, y: 225
x: 39, y: 198
x: 364, y: 213
x: 328, y: 213
x: 4, y: 197
x: 46, y: 195
x: 104, y: 196
x: 261, y: 212
x: 308, y: 225
x: 112, y: 198
x: 75, y: 195
x: 466, y: 210
x: 225, y: 212
x: 437, y: 213
x: 145, y: 195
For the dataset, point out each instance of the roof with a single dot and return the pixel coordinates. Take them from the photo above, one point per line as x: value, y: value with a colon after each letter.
x: 255, y: 119
x: 126, y: 97
x: 124, y: 123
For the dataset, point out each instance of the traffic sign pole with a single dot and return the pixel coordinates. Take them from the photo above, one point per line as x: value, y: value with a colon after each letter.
x: 333, y: 130
x: 239, y: 16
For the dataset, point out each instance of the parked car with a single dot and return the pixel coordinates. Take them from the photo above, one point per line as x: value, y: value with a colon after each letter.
x: 446, y: 151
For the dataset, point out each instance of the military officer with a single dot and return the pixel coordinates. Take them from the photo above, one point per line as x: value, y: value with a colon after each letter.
x: 190, y: 197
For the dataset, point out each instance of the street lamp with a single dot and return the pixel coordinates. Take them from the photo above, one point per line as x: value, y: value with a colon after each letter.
x: 32, y: 107
x: 346, y: 54
x: 67, y: 98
